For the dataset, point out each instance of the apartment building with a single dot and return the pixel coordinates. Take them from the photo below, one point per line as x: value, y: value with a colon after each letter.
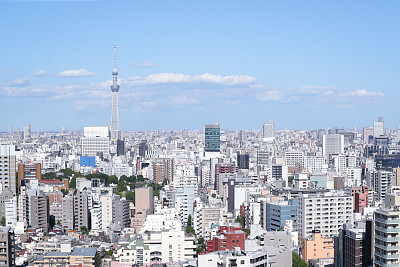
x: 325, y: 212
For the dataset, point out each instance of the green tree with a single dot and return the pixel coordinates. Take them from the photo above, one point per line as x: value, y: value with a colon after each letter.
x: 189, y: 221
x: 3, y: 221
x: 297, y: 261
x: 112, y: 179
x: 84, y: 230
x: 98, y: 259
x: 290, y: 180
x: 121, y: 186
x: 190, y: 230
x: 130, y: 196
x: 72, y: 183
x: 109, y: 253
x: 201, y: 245
x: 58, y: 222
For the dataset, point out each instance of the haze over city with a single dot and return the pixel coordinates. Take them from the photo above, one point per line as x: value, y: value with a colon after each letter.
x: 305, y: 64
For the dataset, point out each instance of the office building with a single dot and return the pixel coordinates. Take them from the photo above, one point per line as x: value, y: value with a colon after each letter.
x: 269, y: 130
x: 243, y: 161
x: 95, y: 141
x: 278, y: 214
x: 27, y: 131
x: 212, y: 138
x: 379, y: 129
x: 143, y: 147
x: 353, y: 245
x: 360, y: 196
x: 8, y: 168
x: 332, y: 144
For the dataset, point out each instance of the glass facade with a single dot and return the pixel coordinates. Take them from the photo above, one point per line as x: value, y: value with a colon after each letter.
x: 212, y: 138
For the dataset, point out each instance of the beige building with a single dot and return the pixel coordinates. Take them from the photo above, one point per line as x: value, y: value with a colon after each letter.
x: 85, y: 257
x: 317, y: 247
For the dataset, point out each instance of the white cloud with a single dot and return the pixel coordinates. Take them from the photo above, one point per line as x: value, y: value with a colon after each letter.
x: 363, y: 92
x: 146, y: 64
x: 76, y: 73
x: 20, y: 82
x: 162, y: 78
x: 40, y: 73
x: 272, y: 95
x: 184, y: 100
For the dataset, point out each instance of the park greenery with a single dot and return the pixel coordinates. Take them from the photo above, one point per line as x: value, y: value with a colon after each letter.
x: 297, y: 261
x: 123, y: 183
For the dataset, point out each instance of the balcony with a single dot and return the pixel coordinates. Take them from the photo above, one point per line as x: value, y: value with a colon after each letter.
x: 394, y: 221
x: 381, y: 263
x: 387, y: 239
x: 387, y: 248
x: 387, y: 230
x: 387, y: 256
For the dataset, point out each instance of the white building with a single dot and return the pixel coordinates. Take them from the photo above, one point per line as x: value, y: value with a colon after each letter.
x: 326, y: 213
x: 11, y: 211
x: 379, y: 129
x: 332, y: 144
x: 293, y: 157
x: 95, y: 140
x: 315, y: 163
x: 162, y: 247
x: 269, y: 130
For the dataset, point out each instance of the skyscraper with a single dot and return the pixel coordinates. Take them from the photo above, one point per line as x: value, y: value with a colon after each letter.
x: 8, y: 168
x: 27, y: 131
x: 212, y: 138
x: 269, y: 130
x: 114, y: 126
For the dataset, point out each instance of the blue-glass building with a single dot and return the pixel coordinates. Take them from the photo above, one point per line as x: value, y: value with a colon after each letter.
x: 278, y: 213
x: 212, y: 138
x: 88, y: 161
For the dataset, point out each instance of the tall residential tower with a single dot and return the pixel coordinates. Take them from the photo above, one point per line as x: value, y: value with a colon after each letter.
x: 114, y: 113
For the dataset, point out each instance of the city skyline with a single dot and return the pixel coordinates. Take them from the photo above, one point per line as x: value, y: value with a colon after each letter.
x: 308, y: 65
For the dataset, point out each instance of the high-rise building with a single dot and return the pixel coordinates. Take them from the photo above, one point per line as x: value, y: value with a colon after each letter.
x: 7, y: 246
x: 95, y: 140
x: 379, y: 128
x: 269, y: 130
x: 10, y: 130
x: 143, y: 147
x: 120, y: 212
x: 145, y: 194
x: 386, y: 250
x: 353, y: 245
x: 114, y: 126
x: 8, y: 168
x: 28, y: 172
x: 38, y: 209
x: 75, y: 213
x: 212, y: 138
x: 326, y: 213
x: 332, y: 144
x: 242, y: 137
x: 243, y: 161
x: 27, y: 131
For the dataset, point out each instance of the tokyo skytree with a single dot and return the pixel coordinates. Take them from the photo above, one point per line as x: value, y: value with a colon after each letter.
x: 114, y: 125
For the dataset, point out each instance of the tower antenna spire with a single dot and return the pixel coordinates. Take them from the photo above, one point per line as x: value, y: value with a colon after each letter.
x: 115, y: 56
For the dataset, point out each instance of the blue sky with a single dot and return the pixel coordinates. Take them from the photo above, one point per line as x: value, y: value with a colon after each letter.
x: 182, y: 64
